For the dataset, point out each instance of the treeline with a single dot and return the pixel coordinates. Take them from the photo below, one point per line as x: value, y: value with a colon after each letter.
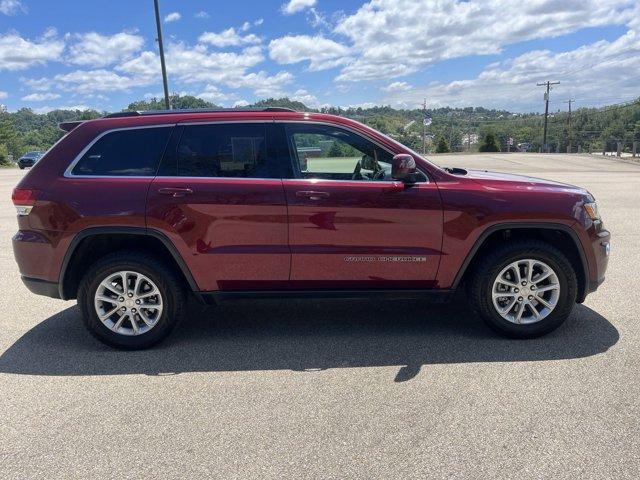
x: 453, y: 129
x: 461, y: 129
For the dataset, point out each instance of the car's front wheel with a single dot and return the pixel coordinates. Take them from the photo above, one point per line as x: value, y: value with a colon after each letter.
x: 524, y: 289
x: 131, y: 300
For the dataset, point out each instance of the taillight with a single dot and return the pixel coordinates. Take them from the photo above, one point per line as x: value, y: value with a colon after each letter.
x: 24, y: 199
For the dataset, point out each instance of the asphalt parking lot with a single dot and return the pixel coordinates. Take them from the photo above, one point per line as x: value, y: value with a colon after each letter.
x: 335, y: 389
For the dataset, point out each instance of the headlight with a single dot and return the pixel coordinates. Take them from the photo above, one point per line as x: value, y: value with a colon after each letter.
x: 592, y: 210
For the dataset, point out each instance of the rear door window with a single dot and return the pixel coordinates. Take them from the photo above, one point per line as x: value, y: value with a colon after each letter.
x: 132, y: 152
x: 224, y: 150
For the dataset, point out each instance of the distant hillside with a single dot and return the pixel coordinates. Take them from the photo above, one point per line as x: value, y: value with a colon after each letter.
x: 460, y: 128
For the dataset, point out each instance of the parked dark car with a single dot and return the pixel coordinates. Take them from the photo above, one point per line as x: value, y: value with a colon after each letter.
x: 133, y: 212
x: 29, y: 159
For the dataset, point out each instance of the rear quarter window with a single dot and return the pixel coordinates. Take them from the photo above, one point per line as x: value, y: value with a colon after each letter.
x: 125, y: 153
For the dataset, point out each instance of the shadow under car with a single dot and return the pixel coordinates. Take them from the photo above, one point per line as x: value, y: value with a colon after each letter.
x: 299, y: 335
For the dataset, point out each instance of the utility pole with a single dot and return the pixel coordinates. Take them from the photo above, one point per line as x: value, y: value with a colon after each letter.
x: 570, y: 142
x: 162, y: 65
x: 548, y: 84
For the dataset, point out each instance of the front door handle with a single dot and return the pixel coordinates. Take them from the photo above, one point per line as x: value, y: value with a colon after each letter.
x: 175, y: 192
x: 312, y: 195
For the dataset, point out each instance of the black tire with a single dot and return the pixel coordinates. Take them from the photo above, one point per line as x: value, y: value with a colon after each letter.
x: 168, y: 282
x: 486, y: 271
x: 21, y: 167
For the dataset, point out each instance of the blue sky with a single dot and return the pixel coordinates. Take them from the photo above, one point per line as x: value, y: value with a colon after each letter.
x: 489, y: 53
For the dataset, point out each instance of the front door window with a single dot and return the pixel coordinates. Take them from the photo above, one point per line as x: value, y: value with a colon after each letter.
x: 327, y: 152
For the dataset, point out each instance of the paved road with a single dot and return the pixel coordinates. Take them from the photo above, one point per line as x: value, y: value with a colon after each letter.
x: 323, y: 390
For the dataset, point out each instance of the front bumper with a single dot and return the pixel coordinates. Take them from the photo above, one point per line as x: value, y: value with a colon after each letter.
x: 600, y: 248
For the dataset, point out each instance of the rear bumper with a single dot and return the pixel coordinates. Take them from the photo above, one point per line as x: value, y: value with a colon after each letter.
x: 38, y: 262
x: 41, y: 287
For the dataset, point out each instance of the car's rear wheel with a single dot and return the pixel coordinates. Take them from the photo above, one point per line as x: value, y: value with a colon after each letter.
x: 524, y: 289
x: 131, y: 300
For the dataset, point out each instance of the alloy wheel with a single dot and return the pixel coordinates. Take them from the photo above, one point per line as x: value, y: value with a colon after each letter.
x: 525, y: 291
x: 128, y: 303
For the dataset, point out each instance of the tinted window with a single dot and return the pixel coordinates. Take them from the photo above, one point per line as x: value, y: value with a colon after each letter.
x: 224, y: 150
x: 134, y: 152
x: 324, y: 151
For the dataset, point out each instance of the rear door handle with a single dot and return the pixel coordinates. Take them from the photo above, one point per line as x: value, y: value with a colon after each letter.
x: 175, y: 192
x: 312, y: 195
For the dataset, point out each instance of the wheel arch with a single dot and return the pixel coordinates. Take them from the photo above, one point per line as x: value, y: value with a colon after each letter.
x: 568, y: 243
x: 79, y: 252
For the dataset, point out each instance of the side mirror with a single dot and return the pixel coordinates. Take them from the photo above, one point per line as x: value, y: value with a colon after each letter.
x: 403, y: 167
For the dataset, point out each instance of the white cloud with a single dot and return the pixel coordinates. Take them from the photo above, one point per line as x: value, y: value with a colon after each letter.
x: 202, y: 14
x: 12, y: 7
x: 100, y: 50
x: 258, y: 22
x: 397, y: 87
x: 3, y: 94
x: 17, y: 53
x: 398, y: 37
x: 40, y: 97
x: 265, y: 85
x: 85, y: 82
x: 197, y: 64
x: 172, y: 17
x: 294, y: 6
x: 321, y: 52
x: 511, y: 84
x: 146, y: 64
x: 213, y: 94
x: 194, y: 64
x: 305, y: 97
x: 317, y: 19
x: 228, y: 38
x: 240, y: 103
x: 38, y: 84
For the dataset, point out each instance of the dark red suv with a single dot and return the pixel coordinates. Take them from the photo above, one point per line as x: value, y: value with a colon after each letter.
x: 132, y: 212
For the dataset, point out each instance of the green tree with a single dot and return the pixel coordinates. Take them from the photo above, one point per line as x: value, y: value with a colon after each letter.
x: 9, y: 137
x: 489, y: 143
x: 177, y: 101
x: 335, y: 150
x: 282, y: 103
x: 442, y: 146
x: 4, y: 154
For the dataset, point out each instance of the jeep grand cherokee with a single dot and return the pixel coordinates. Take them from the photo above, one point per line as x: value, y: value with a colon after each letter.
x: 133, y: 212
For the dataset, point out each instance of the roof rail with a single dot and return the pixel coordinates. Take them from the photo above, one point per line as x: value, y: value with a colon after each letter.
x: 122, y: 114
x: 137, y: 113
